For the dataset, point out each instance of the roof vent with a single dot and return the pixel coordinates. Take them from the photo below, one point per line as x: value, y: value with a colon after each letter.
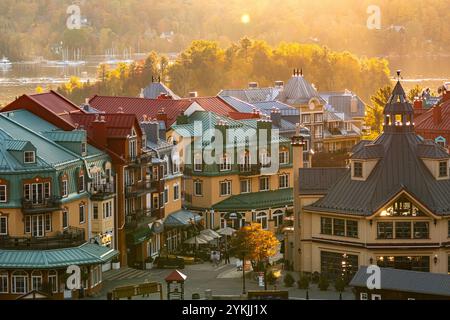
x: 253, y: 85
x: 193, y: 94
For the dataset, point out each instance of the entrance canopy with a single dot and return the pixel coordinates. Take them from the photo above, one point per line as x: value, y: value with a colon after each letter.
x: 182, y: 219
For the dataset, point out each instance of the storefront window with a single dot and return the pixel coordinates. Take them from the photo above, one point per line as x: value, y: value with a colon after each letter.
x: 417, y: 263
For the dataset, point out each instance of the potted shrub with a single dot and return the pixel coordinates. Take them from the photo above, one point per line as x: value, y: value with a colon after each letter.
x: 303, y: 282
x: 315, y: 277
x: 323, y: 283
x: 339, y: 285
x: 149, y: 263
x: 288, y: 280
x: 116, y: 263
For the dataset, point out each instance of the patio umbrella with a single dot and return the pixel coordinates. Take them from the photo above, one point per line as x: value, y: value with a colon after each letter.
x: 196, y: 240
x: 206, y: 237
x: 211, y: 233
x: 227, y: 231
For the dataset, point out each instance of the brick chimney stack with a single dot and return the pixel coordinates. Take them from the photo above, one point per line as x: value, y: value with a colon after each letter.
x: 100, y: 130
x: 437, y: 114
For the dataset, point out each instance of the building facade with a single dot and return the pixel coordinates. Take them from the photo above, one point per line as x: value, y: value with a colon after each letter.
x: 391, y: 207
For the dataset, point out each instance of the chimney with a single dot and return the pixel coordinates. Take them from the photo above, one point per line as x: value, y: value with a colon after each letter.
x: 162, y: 116
x: 437, y: 114
x: 193, y: 94
x: 151, y: 129
x: 279, y: 84
x: 100, y: 131
x: 253, y: 85
x: 418, y: 104
x: 275, y: 116
x: 141, y: 95
x: 86, y: 105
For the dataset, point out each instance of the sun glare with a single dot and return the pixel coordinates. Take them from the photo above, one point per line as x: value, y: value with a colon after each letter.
x: 245, y: 19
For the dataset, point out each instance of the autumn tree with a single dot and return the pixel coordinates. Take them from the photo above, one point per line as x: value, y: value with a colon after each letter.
x: 375, y: 111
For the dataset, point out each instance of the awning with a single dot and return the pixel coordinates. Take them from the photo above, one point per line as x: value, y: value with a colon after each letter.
x: 233, y: 216
x: 139, y: 235
x: 86, y: 254
x: 182, y: 218
x: 256, y: 201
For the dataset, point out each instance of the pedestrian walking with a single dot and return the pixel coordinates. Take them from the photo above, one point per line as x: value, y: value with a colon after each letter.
x: 227, y: 257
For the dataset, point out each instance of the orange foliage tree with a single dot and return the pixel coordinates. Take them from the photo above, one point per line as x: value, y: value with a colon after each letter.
x: 255, y: 244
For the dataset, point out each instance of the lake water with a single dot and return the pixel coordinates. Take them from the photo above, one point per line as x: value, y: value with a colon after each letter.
x: 24, y: 78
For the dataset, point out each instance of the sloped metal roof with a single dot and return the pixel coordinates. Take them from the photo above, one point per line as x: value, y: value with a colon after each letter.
x: 66, y: 136
x: 58, y: 258
x: 319, y: 180
x: 407, y: 281
x: 155, y: 89
x: 252, y: 95
x: 298, y: 91
x: 257, y: 200
x: 181, y: 218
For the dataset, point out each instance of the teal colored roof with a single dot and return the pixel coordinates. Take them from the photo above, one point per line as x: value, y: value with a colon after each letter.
x: 257, y: 201
x: 16, y: 145
x: 59, y: 258
x: 181, y: 219
x: 66, y: 136
x: 140, y: 235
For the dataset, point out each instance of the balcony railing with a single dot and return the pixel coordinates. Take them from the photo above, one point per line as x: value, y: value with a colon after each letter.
x: 42, y: 205
x: 102, y: 191
x: 141, y: 187
x: 139, y: 160
x: 71, y: 237
x: 250, y: 169
x: 141, y: 217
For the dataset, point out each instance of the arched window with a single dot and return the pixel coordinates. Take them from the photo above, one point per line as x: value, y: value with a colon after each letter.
x: 36, y: 280
x: 19, y: 282
x: 53, y: 280
x: 278, y: 217
x: 261, y: 218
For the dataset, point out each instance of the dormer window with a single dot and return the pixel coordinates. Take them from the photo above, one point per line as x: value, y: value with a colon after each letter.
x: 443, y: 169
x: 29, y: 157
x: 357, y: 169
x: 81, y: 182
x: 3, y: 193
x: 83, y: 148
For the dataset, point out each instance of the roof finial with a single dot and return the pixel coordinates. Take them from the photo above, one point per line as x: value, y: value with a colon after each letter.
x: 399, y: 75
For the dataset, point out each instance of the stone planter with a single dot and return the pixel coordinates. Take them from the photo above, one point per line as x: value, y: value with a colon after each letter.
x: 116, y: 265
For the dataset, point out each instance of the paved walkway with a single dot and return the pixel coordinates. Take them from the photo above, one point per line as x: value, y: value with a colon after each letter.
x: 223, y: 280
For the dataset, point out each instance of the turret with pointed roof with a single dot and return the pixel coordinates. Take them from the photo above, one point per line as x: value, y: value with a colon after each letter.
x: 298, y: 91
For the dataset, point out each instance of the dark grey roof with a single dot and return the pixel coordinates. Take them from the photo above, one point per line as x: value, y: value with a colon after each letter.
x: 430, y: 150
x: 342, y: 102
x: 399, y: 169
x: 298, y: 91
x: 369, y: 151
x: 407, y: 281
x: 319, y: 180
x: 238, y: 104
x: 154, y: 90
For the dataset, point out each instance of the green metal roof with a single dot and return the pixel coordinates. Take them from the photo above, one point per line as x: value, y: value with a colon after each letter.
x: 257, y: 201
x: 139, y: 235
x: 66, y: 136
x: 85, y: 254
x: 16, y: 145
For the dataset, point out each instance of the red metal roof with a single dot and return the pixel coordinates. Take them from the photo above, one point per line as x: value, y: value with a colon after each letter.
x: 141, y: 106
x: 214, y: 104
x: 151, y: 107
x: 118, y: 124
x: 176, y: 276
x: 56, y: 102
x: 425, y: 121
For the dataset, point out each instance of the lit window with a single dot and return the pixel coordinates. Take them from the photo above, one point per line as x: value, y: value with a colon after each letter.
x: 29, y: 157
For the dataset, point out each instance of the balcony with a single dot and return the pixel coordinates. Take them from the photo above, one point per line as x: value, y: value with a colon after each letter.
x: 141, y: 188
x: 249, y: 170
x: 71, y: 237
x: 137, y: 161
x: 141, y: 217
x: 41, y: 206
x: 102, y: 191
